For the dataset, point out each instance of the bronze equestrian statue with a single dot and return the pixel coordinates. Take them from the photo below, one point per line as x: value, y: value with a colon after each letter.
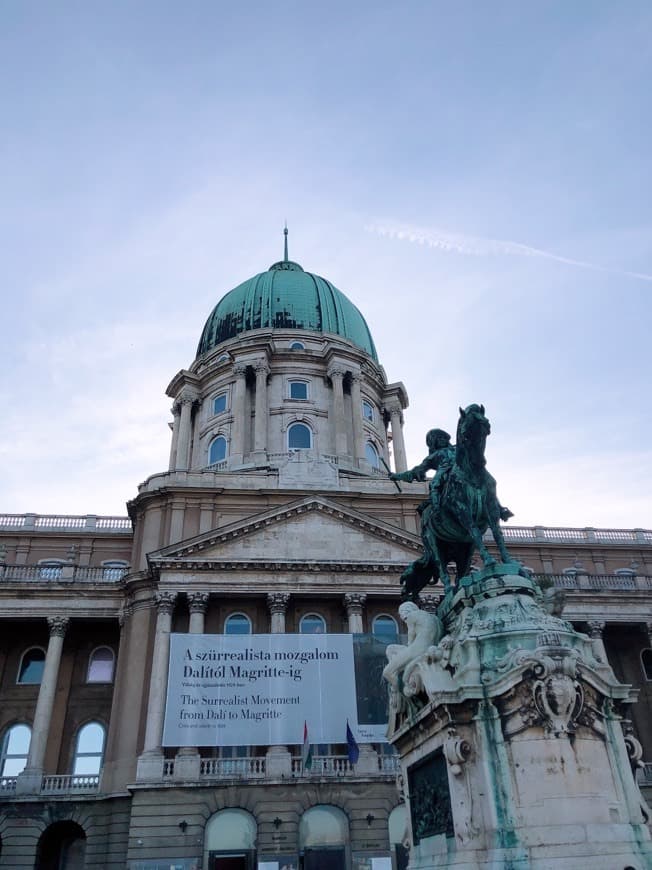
x: 461, y: 506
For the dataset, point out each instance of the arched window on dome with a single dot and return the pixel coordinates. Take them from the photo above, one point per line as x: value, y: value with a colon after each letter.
x: 367, y: 410
x: 32, y: 665
x: 237, y: 623
x: 15, y: 749
x: 89, y: 749
x: 385, y: 628
x: 100, y: 665
x: 312, y: 623
x: 371, y: 455
x: 297, y: 345
x: 217, y: 450
x: 219, y: 403
x: 299, y: 437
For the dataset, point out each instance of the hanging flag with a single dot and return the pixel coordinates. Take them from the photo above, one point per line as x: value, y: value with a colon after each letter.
x: 352, y: 748
x: 306, y: 752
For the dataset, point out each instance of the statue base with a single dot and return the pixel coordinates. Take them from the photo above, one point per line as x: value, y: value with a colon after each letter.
x: 514, y: 748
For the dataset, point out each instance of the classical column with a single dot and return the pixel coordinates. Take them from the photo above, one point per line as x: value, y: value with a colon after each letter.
x: 356, y: 405
x: 354, y: 602
x: 278, y: 605
x: 158, y: 680
x: 400, y: 460
x: 596, y: 627
x: 260, y: 418
x: 339, y: 424
x: 278, y: 762
x: 31, y: 776
x: 187, y: 765
x: 186, y: 400
x: 197, y: 604
x: 176, y: 414
x: 239, y: 395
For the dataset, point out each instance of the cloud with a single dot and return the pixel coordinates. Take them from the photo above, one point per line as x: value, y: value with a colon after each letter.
x: 475, y: 246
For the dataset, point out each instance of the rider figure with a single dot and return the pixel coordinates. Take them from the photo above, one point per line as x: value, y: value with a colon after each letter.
x: 441, y: 455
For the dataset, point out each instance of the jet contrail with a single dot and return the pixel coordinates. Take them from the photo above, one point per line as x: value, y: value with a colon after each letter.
x: 479, y: 247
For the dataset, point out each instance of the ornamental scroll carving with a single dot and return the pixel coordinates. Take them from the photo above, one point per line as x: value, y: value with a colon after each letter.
x: 58, y: 625
x: 278, y: 601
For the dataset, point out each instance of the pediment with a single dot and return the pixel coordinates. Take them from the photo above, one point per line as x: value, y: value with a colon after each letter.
x: 310, y: 530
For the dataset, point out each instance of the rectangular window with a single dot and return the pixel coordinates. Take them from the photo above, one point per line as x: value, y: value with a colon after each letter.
x: 298, y: 390
x: 219, y: 403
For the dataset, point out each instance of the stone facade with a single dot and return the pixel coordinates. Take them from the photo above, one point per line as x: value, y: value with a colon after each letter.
x: 271, y: 532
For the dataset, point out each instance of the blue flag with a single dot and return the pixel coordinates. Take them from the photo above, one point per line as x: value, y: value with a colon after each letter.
x: 353, y: 751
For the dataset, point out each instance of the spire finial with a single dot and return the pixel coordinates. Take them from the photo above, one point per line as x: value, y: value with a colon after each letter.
x: 285, y: 233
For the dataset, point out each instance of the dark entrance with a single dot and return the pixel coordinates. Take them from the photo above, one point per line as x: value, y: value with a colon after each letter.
x: 324, y: 858
x: 244, y: 860
x: 62, y: 846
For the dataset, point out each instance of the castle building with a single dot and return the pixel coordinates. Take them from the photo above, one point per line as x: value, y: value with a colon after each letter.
x: 274, y: 517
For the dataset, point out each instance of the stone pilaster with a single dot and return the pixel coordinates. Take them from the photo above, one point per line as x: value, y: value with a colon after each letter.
x: 239, y: 403
x: 176, y: 416
x: 278, y: 605
x: 339, y: 427
x: 354, y: 602
x: 260, y: 418
x: 187, y: 763
x: 396, y: 419
x: 29, y: 781
x: 150, y: 763
x: 197, y: 605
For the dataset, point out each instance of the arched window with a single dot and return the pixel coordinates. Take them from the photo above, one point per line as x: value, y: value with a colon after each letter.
x: 324, y: 826
x: 312, y: 623
x: 114, y: 569
x: 297, y: 345
x: 219, y: 403
x: 646, y: 661
x: 371, y: 455
x: 298, y: 389
x: 50, y: 569
x: 15, y: 748
x: 237, y: 623
x: 89, y: 749
x: 299, y: 437
x: 223, y: 358
x: 30, y: 671
x: 385, y: 628
x: 100, y: 665
x: 230, y: 833
x: 368, y: 411
x: 217, y: 450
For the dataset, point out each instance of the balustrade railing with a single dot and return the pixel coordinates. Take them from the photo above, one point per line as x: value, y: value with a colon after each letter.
x: 70, y: 783
x: 250, y: 767
x: 61, y: 522
x: 324, y: 765
x: 7, y: 784
x: 389, y: 763
x: 63, y: 573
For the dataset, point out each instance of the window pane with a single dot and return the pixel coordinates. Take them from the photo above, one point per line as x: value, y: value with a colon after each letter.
x: 91, y: 739
x: 385, y: 629
x: 238, y: 623
x: 18, y: 740
x: 31, y: 668
x: 87, y: 765
x: 100, y: 667
x: 296, y: 345
x: 298, y: 390
x: 367, y: 411
x: 298, y: 437
x: 312, y: 624
x: 371, y: 454
x: 217, y: 452
x: 219, y: 403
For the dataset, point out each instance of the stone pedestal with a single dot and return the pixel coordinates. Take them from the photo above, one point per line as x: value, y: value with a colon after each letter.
x: 278, y: 762
x: 511, y: 741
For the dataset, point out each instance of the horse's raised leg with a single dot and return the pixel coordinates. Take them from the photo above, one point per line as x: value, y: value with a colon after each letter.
x: 499, y: 538
x: 487, y: 559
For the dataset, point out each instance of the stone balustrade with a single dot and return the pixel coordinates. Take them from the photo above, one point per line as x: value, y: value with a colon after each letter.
x: 62, y: 523
x: 70, y: 784
x: 63, y: 572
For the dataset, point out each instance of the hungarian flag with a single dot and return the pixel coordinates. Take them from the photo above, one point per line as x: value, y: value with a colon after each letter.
x: 306, y: 752
x: 352, y: 748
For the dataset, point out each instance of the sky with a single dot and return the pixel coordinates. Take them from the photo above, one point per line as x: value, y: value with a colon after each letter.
x: 474, y: 176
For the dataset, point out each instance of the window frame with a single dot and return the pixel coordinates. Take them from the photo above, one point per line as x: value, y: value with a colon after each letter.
x: 20, y: 682
x: 222, y: 394
x: 214, y: 440
x: 370, y: 444
x: 301, y: 383
x: 4, y: 754
x: 371, y: 417
x: 380, y: 616
x: 90, y: 663
x: 238, y: 613
x: 297, y: 345
x: 77, y: 754
x: 292, y: 425
x: 313, y: 615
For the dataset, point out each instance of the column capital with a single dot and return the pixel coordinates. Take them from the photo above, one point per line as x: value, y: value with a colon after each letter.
x: 278, y: 601
x: 239, y: 370
x: 165, y: 601
x: 336, y: 372
x: 354, y: 601
x: 261, y: 367
x: 198, y: 602
x: 58, y: 625
x: 187, y: 396
x: 394, y: 408
x: 596, y: 627
x: 175, y: 410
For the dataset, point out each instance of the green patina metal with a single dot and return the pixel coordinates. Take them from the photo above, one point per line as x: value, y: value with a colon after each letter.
x: 286, y: 297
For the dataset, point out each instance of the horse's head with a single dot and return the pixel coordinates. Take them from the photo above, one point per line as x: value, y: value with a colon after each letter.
x: 473, y: 424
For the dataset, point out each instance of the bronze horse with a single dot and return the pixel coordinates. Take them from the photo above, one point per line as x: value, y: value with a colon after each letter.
x: 453, y: 524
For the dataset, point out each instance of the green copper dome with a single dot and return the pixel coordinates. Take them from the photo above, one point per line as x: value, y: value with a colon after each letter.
x: 285, y: 297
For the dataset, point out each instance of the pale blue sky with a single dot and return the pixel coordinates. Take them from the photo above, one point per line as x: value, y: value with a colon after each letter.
x: 475, y: 176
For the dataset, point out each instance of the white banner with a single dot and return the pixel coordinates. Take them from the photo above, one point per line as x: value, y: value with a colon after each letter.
x: 257, y: 690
